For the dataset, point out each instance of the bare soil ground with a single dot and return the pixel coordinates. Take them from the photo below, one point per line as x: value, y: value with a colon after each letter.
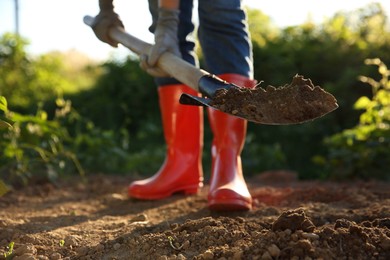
x: 290, y: 220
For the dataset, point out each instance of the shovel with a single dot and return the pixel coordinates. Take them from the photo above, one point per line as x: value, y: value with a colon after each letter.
x: 295, y: 103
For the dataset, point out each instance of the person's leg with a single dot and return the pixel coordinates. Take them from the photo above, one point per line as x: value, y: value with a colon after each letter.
x: 183, y: 128
x: 224, y: 37
x: 227, y: 50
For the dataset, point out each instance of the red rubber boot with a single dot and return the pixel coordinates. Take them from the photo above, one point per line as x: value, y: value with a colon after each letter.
x: 228, y: 190
x: 183, y: 131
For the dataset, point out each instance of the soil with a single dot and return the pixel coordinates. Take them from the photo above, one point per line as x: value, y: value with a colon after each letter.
x: 291, y: 219
x: 298, y: 102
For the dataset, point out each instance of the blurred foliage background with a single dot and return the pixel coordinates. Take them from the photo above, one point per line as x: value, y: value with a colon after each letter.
x: 63, y: 113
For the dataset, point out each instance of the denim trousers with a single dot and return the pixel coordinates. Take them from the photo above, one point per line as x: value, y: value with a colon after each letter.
x: 222, y: 33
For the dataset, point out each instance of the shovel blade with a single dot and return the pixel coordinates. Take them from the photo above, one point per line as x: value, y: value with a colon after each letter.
x: 187, y: 99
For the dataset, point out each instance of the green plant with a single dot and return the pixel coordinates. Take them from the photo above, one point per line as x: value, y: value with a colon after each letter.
x: 4, y: 121
x: 331, y: 54
x: 35, y: 146
x: 364, y: 150
x: 10, y: 248
x: 26, y: 80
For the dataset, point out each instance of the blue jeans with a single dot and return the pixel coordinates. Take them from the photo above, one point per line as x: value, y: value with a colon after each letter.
x: 223, y: 36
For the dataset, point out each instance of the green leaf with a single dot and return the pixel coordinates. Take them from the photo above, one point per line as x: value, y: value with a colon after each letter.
x: 3, y: 104
x: 362, y: 103
x: 383, y: 97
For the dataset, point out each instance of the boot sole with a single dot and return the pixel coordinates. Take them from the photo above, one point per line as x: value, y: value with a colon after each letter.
x: 229, y: 205
x: 187, y: 190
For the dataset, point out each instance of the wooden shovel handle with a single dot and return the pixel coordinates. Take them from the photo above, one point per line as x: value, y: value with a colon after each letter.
x: 173, y: 65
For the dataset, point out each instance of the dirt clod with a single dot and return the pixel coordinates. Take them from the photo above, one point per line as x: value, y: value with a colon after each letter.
x: 293, y: 220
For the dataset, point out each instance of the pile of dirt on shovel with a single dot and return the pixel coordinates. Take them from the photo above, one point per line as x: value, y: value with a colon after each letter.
x: 297, y: 102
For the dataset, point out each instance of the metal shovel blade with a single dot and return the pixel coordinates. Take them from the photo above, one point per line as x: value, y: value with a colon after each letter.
x: 295, y: 103
x: 187, y: 99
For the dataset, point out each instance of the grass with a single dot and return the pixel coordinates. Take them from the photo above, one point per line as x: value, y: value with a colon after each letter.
x: 10, y: 248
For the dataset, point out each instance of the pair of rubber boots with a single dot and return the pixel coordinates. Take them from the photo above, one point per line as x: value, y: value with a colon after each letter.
x: 182, y: 169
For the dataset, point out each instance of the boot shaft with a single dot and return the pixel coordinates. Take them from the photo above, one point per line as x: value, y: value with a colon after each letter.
x: 229, y: 131
x: 182, y: 124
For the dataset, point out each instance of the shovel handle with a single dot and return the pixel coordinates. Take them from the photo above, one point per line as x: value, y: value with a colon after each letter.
x: 173, y: 65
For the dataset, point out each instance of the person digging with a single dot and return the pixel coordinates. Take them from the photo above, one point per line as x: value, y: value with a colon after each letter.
x: 222, y: 30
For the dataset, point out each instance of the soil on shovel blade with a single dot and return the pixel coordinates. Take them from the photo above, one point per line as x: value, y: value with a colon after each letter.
x: 298, y: 102
x: 290, y: 219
